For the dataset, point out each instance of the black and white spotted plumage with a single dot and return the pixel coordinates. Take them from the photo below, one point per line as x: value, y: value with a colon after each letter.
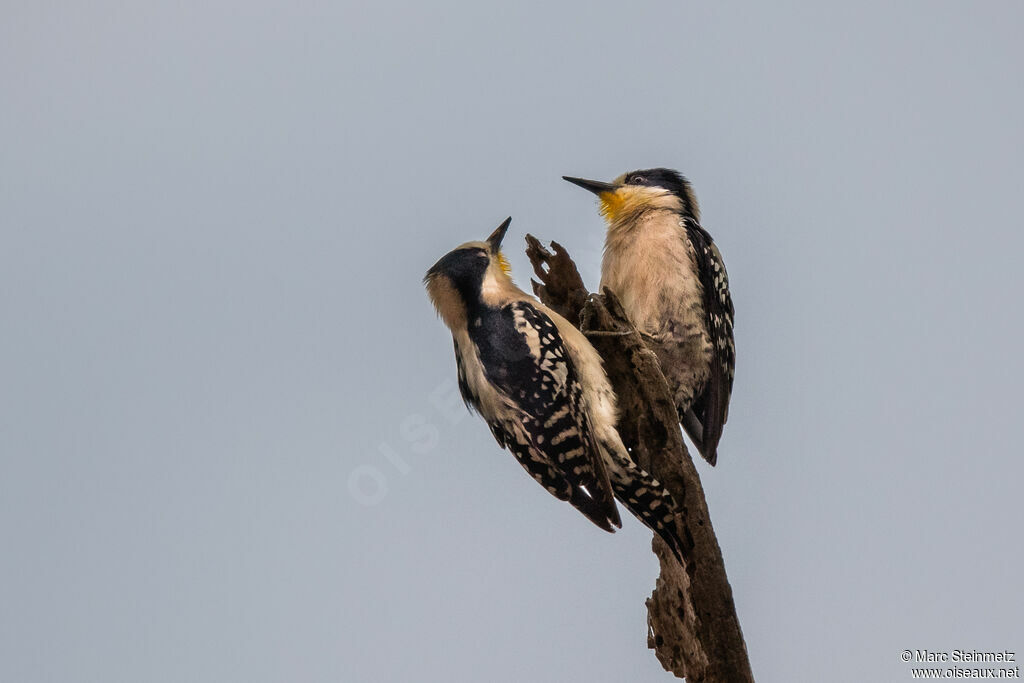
x: 540, y: 386
x: 710, y: 409
x: 547, y: 426
x: 644, y: 497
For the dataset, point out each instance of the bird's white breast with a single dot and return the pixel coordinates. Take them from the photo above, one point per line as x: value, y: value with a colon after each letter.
x: 651, y: 267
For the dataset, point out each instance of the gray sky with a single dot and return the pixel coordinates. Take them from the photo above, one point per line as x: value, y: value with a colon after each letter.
x: 214, y: 219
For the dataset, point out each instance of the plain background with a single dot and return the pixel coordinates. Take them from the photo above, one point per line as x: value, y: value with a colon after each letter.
x: 231, y: 448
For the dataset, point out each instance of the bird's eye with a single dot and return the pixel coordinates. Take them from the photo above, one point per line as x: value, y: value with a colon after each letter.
x: 638, y: 180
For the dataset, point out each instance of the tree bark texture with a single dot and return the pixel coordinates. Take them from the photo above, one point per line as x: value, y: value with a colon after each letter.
x: 691, y: 618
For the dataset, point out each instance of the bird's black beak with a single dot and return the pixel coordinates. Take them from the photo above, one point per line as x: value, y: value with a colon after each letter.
x: 595, y: 186
x: 498, y: 235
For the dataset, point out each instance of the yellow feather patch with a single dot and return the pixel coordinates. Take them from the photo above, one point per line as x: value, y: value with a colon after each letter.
x: 612, y: 204
x: 503, y: 263
x: 625, y: 200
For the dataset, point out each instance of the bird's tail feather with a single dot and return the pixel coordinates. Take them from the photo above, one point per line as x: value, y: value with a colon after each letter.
x: 695, y: 429
x: 600, y: 512
x: 645, y: 497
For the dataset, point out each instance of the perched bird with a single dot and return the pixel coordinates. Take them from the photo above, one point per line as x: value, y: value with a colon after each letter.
x: 671, y: 280
x: 541, y: 388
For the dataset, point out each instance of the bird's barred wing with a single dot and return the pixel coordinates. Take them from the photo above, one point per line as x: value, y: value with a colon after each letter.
x: 712, y: 407
x: 549, y: 429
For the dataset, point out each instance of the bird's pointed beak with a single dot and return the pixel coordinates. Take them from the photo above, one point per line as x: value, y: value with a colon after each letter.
x: 498, y: 235
x: 595, y: 186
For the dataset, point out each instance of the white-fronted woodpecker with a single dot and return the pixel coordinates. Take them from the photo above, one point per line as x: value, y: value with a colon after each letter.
x: 541, y: 388
x: 669, y: 275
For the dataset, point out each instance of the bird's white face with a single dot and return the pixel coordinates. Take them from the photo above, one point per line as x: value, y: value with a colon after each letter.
x: 625, y: 201
x: 470, y: 273
x: 497, y: 281
x: 631, y: 194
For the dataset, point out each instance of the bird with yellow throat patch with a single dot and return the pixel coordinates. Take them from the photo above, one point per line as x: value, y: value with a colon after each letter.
x: 670, y: 277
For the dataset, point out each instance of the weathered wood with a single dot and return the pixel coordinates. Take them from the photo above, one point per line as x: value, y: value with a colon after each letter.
x: 561, y: 286
x: 691, y: 617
